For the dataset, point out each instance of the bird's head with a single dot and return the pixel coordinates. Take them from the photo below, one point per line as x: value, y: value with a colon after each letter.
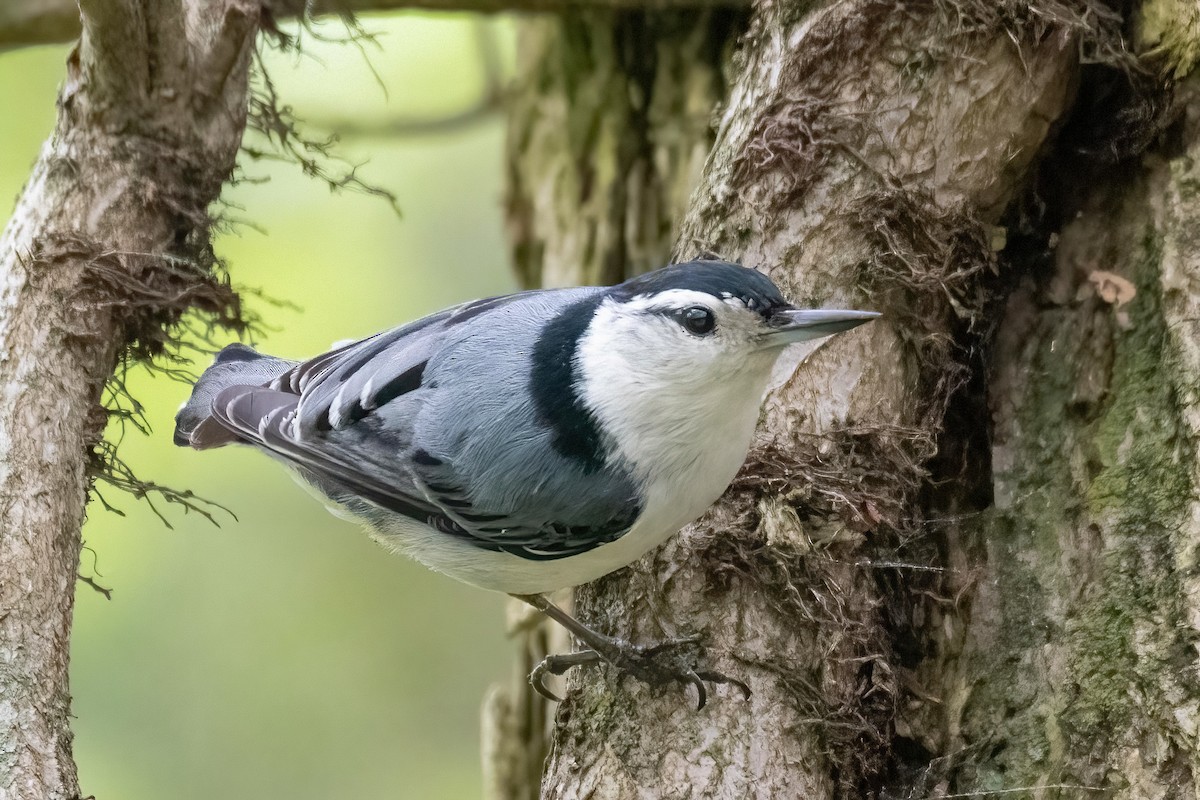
x: 702, y: 321
x: 686, y: 351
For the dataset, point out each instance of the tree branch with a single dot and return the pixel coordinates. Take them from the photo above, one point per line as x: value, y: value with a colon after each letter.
x: 32, y: 22
x: 106, y: 249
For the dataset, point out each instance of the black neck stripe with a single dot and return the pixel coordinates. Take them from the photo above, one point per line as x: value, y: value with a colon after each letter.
x: 553, y: 385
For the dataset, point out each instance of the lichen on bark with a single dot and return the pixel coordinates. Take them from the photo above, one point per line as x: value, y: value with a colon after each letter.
x: 1090, y: 649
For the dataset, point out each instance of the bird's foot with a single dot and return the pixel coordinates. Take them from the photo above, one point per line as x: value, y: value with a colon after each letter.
x: 670, y: 661
x: 674, y: 660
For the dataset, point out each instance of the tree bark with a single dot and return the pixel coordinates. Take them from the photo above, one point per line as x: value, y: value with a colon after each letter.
x: 106, y: 248
x: 608, y: 133
x: 912, y: 623
x: 1083, y: 607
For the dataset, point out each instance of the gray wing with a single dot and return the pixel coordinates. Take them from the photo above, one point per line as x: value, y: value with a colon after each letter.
x: 342, y: 386
x: 431, y: 421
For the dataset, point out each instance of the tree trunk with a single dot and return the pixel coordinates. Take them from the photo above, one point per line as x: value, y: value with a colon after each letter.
x: 1083, y: 606
x: 108, y: 245
x: 607, y: 137
x: 959, y: 558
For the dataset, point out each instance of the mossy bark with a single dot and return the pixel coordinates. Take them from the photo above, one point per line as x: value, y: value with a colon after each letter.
x: 961, y: 557
x: 607, y: 137
x: 1077, y: 651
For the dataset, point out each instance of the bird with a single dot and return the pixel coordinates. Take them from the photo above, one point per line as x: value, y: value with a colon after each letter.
x: 533, y: 441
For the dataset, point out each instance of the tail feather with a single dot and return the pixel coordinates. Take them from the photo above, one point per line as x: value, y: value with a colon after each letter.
x: 236, y: 365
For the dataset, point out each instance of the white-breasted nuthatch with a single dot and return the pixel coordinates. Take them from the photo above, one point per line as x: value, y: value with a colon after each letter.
x: 529, y: 442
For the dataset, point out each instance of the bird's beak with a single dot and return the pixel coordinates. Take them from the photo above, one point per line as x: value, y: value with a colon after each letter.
x: 787, y: 326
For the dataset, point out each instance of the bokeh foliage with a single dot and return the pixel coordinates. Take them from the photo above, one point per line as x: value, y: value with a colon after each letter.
x: 283, y: 654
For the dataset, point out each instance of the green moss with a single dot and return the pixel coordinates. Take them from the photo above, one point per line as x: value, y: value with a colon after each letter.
x: 1104, y: 660
x: 1004, y: 708
x: 1140, y: 493
x: 1170, y: 29
x: 1097, y: 488
x: 1136, y: 437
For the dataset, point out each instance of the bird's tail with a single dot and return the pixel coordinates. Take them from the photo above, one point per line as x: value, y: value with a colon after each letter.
x: 236, y: 365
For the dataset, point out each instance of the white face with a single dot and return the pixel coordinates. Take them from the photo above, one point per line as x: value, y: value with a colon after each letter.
x: 674, y: 375
x: 681, y: 338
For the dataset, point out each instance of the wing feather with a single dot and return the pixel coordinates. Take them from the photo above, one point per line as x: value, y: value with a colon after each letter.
x: 265, y: 417
x: 340, y: 387
x: 317, y: 416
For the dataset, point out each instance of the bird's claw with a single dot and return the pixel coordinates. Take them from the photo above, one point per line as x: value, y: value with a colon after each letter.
x: 537, y: 679
x: 674, y: 660
x: 666, y: 662
x: 558, y: 664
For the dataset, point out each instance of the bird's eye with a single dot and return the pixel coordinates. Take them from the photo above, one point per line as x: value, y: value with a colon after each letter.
x: 698, y: 320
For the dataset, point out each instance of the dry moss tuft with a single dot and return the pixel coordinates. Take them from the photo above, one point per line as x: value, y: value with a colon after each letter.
x: 160, y: 305
x: 146, y: 294
x: 839, y: 491
x: 855, y: 477
x: 796, y: 135
x: 1096, y: 24
x: 935, y: 271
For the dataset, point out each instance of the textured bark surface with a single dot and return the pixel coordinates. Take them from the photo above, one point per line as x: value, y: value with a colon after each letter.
x: 608, y: 133
x: 913, y: 625
x: 107, y: 245
x: 1081, y: 609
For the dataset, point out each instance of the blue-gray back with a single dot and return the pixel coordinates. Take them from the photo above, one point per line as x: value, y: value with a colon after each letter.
x: 448, y: 421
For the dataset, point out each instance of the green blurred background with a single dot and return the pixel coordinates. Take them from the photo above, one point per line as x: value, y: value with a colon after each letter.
x: 284, y: 654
